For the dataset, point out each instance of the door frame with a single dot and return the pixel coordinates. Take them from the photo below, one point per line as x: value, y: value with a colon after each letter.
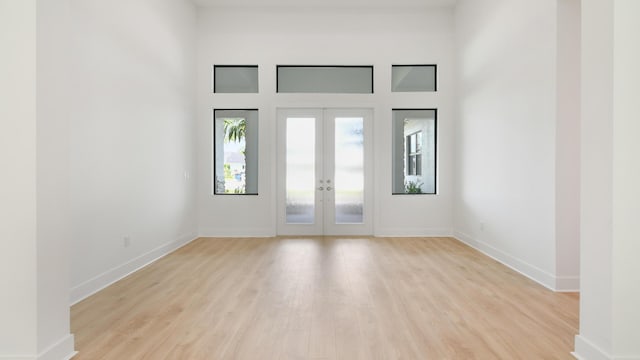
x: 324, y: 125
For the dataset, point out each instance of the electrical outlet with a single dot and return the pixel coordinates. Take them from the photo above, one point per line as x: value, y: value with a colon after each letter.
x: 126, y: 241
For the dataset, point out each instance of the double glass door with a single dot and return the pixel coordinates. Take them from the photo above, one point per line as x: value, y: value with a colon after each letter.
x: 324, y: 172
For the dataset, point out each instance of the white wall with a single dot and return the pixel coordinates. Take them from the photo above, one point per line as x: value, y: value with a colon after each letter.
x: 609, y: 312
x: 516, y: 146
x: 18, y: 187
x: 626, y: 177
x: 53, y: 177
x: 132, y: 136
x: 568, y: 146
x: 34, y: 268
x: 321, y: 36
x: 596, y: 173
x: 505, y: 145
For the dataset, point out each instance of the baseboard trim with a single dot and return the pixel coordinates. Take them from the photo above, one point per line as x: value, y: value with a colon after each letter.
x: 413, y: 232
x: 91, y: 286
x: 271, y: 232
x: 61, y: 350
x: 238, y: 233
x: 586, y: 350
x: 532, y: 272
x: 567, y: 284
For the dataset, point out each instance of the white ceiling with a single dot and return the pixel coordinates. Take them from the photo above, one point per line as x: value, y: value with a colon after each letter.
x: 325, y: 3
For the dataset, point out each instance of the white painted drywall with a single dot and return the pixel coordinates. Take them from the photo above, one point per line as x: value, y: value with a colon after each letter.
x: 506, y: 132
x: 609, y: 312
x: 626, y: 177
x: 53, y: 217
x: 325, y: 36
x: 568, y: 147
x: 34, y: 267
x: 596, y: 177
x: 18, y: 187
x: 132, y: 135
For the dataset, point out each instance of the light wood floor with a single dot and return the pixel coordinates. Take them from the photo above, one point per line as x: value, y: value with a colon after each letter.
x: 325, y: 298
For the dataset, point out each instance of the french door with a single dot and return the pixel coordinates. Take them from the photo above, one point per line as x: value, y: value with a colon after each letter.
x: 324, y: 172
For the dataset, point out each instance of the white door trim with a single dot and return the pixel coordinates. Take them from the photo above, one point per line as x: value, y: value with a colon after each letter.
x: 324, y: 211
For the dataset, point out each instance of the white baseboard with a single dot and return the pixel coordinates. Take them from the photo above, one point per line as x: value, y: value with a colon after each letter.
x: 567, y: 284
x: 586, y: 350
x: 91, y: 286
x: 271, y: 232
x: 63, y: 349
x: 413, y: 232
x: 532, y: 272
x: 238, y: 232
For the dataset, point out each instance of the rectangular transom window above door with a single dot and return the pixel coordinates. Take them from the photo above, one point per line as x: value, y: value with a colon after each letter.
x: 414, y: 78
x: 338, y: 79
x: 239, y: 79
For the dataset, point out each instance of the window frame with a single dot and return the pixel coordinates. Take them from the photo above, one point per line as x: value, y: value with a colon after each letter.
x: 435, y: 150
x: 213, y: 77
x: 326, y: 66
x: 435, y: 77
x: 213, y: 153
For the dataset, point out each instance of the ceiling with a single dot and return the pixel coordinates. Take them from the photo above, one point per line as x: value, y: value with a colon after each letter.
x: 325, y: 3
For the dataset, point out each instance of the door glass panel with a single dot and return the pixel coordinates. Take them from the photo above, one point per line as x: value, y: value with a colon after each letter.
x: 349, y: 170
x: 300, y: 170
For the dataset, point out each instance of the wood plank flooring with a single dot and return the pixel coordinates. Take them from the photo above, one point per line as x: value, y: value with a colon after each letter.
x: 325, y: 298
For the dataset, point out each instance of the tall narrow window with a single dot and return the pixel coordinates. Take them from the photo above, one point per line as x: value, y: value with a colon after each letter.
x: 235, y: 134
x: 414, y: 151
